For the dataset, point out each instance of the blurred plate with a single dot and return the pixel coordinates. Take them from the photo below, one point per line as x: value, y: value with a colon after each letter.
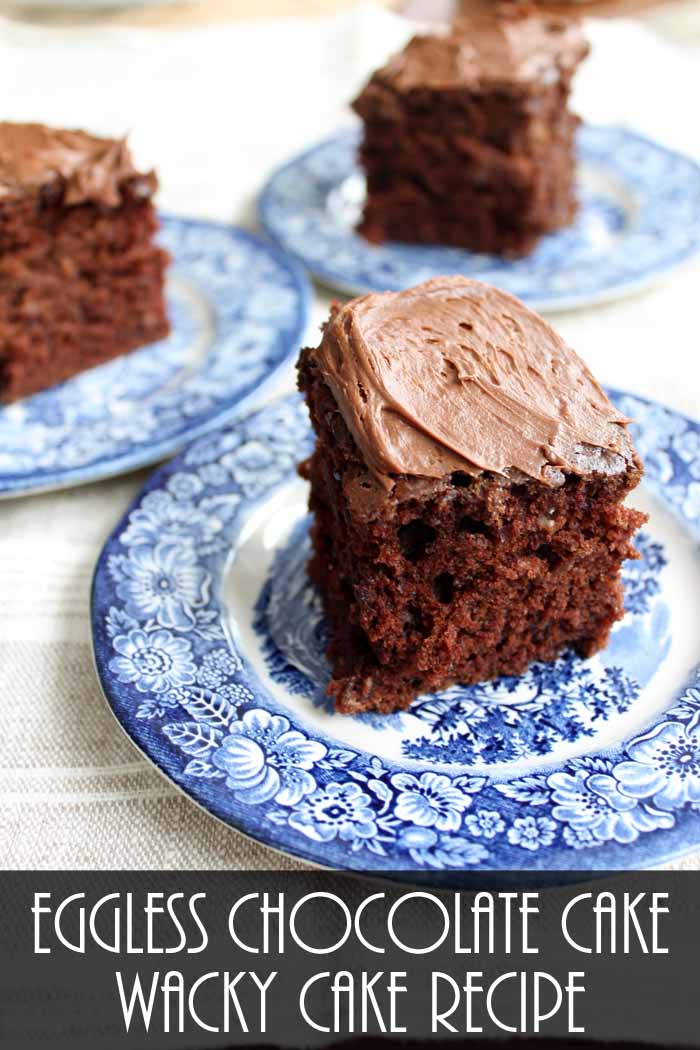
x: 639, y: 218
x: 35, y: 8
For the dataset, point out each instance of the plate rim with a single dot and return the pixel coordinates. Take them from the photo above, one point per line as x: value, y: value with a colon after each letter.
x: 311, y: 852
x: 14, y: 486
x: 549, y: 304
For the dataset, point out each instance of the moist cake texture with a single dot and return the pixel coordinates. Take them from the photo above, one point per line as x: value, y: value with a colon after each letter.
x: 467, y: 489
x: 468, y: 140
x: 81, y: 279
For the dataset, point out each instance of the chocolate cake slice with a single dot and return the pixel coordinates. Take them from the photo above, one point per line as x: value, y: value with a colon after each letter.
x: 81, y: 279
x: 468, y: 139
x: 467, y: 490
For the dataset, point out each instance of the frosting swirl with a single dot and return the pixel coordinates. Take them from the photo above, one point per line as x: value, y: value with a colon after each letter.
x: 455, y: 375
x: 524, y: 46
x: 33, y: 156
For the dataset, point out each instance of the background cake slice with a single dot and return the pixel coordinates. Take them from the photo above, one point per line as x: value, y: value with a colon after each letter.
x: 468, y: 139
x: 81, y: 279
x: 467, y: 489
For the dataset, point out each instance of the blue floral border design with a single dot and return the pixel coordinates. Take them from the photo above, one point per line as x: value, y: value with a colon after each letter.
x: 663, y: 220
x: 127, y: 414
x: 186, y: 694
x: 548, y: 705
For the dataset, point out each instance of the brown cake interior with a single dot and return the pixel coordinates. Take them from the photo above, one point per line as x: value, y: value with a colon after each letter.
x: 468, y: 140
x: 80, y: 283
x: 458, y: 579
x: 428, y: 186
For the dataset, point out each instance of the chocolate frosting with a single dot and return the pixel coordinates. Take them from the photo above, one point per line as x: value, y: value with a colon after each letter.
x: 33, y: 156
x: 488, y: 49
x: 454, y: 375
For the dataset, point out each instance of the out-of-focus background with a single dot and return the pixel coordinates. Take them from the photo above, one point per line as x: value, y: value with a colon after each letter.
x: 678, y: 18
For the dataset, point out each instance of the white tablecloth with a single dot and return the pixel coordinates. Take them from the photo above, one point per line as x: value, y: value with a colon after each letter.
x: 214, y: 110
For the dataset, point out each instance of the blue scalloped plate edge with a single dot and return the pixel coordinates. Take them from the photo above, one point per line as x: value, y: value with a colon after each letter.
x: 678, y: 843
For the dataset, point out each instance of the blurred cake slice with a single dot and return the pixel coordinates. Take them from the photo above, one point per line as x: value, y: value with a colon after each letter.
x: 468, y: 138
x: 81, y: 277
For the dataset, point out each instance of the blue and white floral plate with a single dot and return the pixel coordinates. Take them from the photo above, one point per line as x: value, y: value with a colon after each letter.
x: 238, y: 308
x: 209, y: 644
x: 640, y: 218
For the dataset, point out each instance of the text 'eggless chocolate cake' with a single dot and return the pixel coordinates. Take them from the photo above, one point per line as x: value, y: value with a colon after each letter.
x: 467, y: 488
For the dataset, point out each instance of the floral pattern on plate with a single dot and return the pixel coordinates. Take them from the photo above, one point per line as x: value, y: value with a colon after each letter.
x: 187, y: 678
x: 493, y: 722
